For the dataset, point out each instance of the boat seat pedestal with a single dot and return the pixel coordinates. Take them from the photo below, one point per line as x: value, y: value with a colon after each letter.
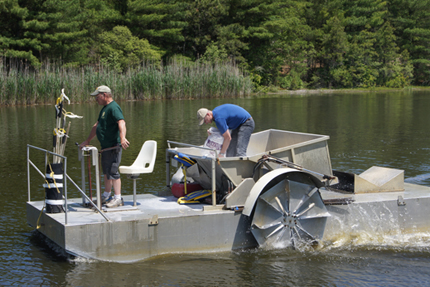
x: 144, y: 163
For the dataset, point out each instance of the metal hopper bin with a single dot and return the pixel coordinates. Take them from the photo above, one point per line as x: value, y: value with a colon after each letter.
x: 309, y: 151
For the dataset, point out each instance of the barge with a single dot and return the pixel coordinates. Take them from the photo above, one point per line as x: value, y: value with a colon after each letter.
x: 283, y: 193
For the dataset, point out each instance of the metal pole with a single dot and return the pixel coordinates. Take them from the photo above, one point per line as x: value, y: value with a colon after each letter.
x: 46, y: 161
x: 96, y: 157
x: 81, y: 158
x: 134, y: 191
x: 167, y: 168
x: 44, y: 172
x: 65, y: 187
x: 213, y: 182
x: 28, y: 172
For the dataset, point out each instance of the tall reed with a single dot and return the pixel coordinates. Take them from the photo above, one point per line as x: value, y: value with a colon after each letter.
x: 20, y: 84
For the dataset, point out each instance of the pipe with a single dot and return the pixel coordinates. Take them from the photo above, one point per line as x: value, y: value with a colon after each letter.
x: 167, y: 168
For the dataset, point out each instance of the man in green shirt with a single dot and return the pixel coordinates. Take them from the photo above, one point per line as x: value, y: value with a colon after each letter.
x: 110, y: 130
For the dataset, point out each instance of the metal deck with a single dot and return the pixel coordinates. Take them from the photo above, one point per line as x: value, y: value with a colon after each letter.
x: 157, y: 225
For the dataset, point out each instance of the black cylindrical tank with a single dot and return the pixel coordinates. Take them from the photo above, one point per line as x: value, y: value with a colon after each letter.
x: 54, y: 192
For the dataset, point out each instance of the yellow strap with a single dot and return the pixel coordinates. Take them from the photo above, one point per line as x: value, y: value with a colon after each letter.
x: 40, y: 215
x: 59, y: 132
x: 188, y: 160
x: 184, y: 171
x: 53, y: 178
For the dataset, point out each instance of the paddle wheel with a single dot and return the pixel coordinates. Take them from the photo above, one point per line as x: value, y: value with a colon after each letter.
x: 289, y: 209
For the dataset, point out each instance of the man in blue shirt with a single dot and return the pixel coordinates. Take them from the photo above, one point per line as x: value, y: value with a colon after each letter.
x: 230, y: 117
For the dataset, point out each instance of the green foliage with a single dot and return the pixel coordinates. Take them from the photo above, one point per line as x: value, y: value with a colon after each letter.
x: 411, y: 23
x: 256, y: 79
x: 399, y: 72
x: 12, y: 35
x: 161, y: 22
x: 120, y: 49
x: 292, y: 81
x: 204, y: 18
x: 290, y: 43
x: 359, y: 47
x: 231, y: 38
x: 214, y: 54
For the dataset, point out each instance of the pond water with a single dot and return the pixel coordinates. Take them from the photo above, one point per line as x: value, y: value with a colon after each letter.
x: 365, y: 129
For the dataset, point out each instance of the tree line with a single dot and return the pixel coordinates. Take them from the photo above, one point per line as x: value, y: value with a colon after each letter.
x: 287, y: 43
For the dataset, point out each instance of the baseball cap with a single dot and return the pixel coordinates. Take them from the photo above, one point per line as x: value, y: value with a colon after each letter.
x: 201, y: 114
x: 101, y: 89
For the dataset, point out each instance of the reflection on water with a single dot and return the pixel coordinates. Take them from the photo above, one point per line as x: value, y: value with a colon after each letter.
x: 384, y: 129
x: 355, y: 266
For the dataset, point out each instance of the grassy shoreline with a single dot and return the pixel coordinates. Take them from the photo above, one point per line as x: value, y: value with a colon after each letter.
x: 21, y: 86
x: 177, y: 80
x: 281, y: 92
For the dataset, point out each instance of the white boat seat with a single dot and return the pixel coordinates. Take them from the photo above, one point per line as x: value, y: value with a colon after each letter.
x: 144, y: 163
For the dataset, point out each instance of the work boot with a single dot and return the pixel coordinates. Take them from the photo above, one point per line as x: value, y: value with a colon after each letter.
x: 115, y: 202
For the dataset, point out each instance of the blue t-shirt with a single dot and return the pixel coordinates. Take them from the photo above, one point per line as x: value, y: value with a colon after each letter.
x: 229, y: 116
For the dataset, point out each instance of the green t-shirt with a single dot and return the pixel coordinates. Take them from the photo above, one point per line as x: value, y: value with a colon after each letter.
x: 107, y: 128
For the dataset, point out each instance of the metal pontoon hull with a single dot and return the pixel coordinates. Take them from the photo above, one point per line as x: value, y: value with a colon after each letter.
x: 375, y: 203
x: 158, y: 225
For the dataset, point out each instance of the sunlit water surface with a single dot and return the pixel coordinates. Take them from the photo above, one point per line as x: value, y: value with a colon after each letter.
x: 367, y: 129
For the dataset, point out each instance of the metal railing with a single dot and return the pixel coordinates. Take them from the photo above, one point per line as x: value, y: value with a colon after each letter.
x: 65, y: 177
